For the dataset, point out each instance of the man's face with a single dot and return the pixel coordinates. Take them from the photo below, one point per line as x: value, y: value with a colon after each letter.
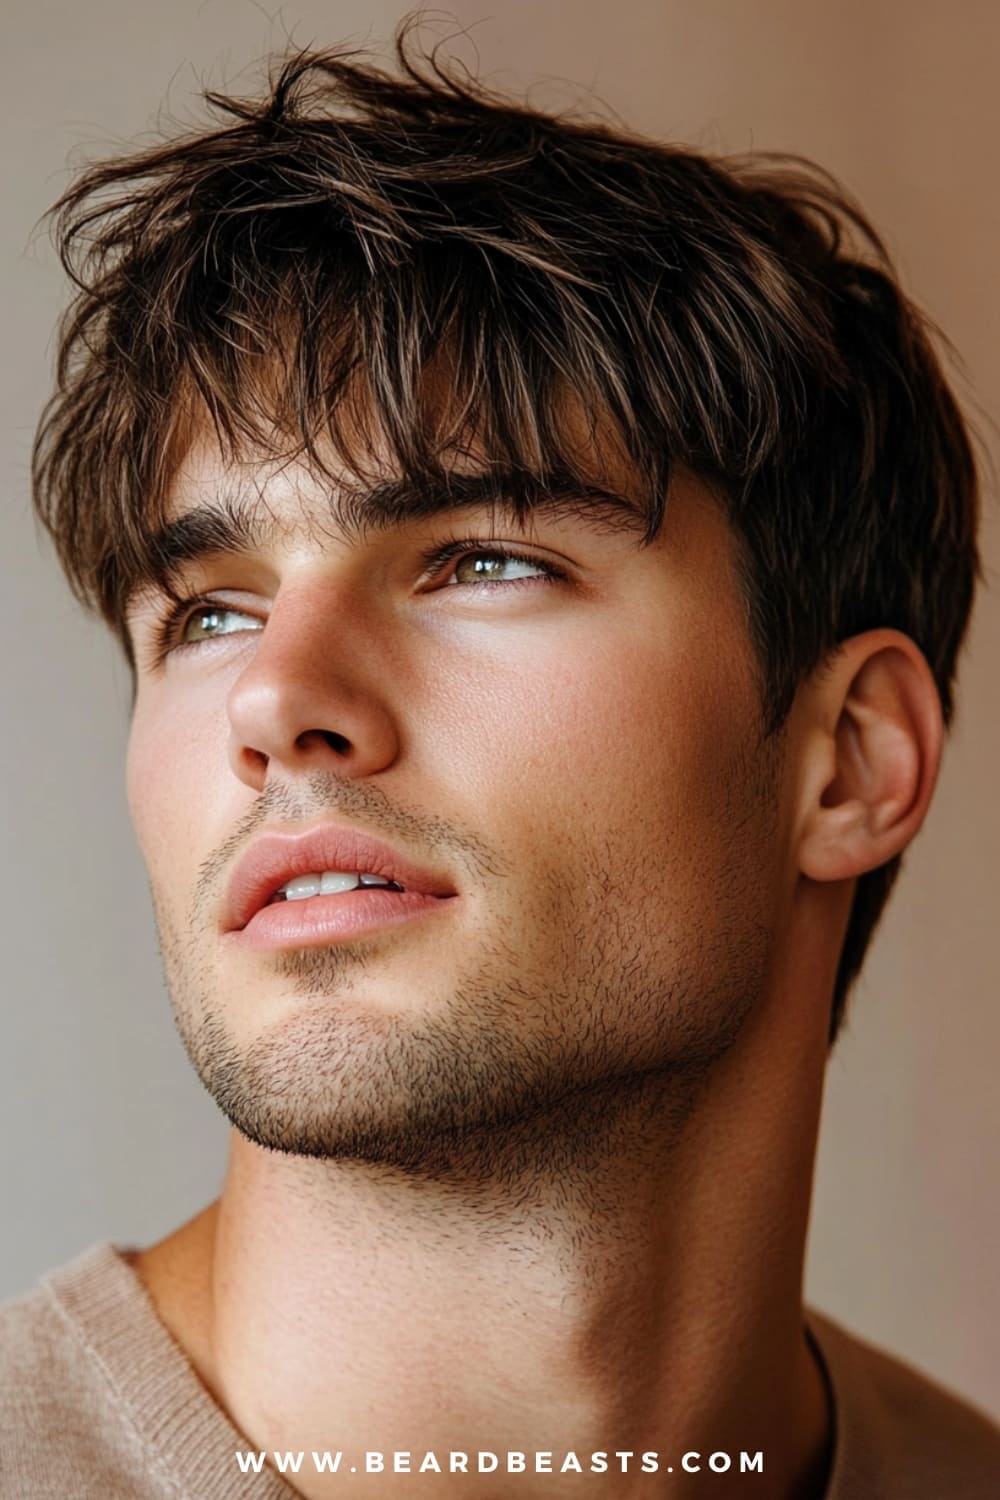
x: 580, y: 756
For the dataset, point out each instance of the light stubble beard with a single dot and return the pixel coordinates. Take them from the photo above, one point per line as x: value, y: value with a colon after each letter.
x: 523, y: 1070
x: 469, y: 1095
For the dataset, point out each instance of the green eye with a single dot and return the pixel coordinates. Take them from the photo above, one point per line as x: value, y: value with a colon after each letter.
x: 205, y: 624
x: 491, y: 566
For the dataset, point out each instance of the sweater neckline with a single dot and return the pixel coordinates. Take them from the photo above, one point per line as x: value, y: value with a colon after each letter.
x: 192, y: 1440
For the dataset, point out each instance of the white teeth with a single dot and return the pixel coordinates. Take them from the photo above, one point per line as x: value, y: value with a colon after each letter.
x: 334, y: 881
x: 300, y: 887
x: 326, y: 883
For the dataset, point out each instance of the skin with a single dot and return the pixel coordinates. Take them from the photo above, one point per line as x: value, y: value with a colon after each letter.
x: 561, y: 1133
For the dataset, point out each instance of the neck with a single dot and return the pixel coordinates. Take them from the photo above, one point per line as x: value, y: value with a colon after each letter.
x: 630, y: 1284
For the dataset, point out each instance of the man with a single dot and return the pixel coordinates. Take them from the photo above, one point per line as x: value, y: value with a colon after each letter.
x: 542, y: 556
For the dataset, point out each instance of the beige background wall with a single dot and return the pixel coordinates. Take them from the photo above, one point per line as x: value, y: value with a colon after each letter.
x: 103, y: 1130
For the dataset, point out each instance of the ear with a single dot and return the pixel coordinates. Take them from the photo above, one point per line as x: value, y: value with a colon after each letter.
x: 873, y: 735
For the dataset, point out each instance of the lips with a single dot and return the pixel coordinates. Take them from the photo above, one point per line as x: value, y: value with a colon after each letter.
x: 278, y: 857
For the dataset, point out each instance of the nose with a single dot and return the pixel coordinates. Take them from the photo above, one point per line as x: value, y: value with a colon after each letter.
x: 312, y: 697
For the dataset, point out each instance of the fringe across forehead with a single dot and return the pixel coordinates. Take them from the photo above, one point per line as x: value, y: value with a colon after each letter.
x: 402, y: 272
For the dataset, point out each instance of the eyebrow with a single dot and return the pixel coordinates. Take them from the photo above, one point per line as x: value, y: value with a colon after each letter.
x: 242, y: 524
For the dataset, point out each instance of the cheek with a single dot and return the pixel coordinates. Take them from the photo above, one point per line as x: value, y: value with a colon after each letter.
x: 630, y: 740
x: 173, y: 768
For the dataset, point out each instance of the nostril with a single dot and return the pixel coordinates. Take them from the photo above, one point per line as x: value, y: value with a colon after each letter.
x: 338, y: 742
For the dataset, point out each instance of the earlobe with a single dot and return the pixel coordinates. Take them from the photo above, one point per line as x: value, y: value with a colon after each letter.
x: 871, y: 758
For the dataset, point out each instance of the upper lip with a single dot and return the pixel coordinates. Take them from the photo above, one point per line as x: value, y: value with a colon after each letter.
x: 276, y: 858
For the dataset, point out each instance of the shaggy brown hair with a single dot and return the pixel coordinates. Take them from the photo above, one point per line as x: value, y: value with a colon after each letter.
x: 299, y: 270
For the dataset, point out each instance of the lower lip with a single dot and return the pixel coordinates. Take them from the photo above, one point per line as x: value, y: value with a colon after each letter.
x: 315, y: 921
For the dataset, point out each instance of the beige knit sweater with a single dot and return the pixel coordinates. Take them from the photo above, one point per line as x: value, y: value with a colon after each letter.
x: 98, y: 1402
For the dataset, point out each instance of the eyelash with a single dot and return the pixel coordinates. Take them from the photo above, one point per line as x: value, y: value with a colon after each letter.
x: 168, y: 630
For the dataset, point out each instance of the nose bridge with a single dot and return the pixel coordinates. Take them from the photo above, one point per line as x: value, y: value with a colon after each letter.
x: 313, y: 690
